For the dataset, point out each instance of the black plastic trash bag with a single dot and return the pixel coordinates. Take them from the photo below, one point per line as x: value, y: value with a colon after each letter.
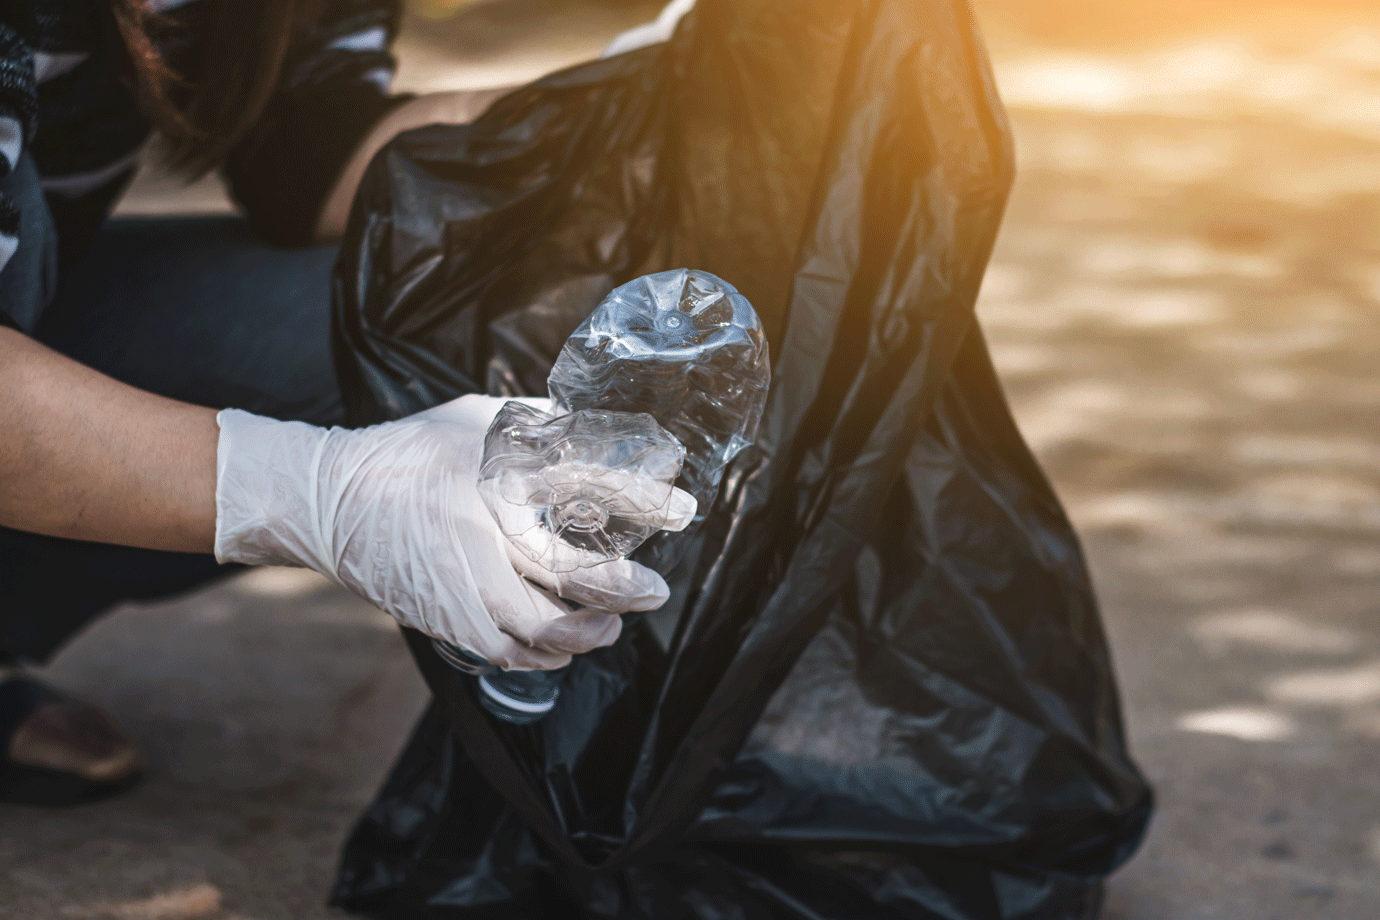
x: 882, y: 689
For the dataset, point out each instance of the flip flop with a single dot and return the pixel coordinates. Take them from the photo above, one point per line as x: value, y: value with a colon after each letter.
x: 55, y: 751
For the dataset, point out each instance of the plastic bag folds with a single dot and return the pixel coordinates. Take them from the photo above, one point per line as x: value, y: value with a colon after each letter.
x: 881, y: 688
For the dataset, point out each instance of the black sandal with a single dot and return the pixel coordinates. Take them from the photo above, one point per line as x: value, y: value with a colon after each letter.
x: 65, y: 721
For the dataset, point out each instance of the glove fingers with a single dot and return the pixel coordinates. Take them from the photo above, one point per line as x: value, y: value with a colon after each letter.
x: 545, y: 625
x: 681, y: 510
x: 579, y: 633
x: 675, y: 515
x: 512, y: 655
x: 615, y: 587
x: 574, y: 632
x: 646, y: 501
x: 611, y: 587
x: 510, y: 601
x: 545, y: 628
x: 485, y: 639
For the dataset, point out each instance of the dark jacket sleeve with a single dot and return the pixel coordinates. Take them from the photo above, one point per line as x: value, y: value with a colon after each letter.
x: 18, y: 120
x: 334, y: 89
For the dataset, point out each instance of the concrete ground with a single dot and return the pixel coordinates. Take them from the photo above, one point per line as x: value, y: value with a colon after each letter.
x: 1183, y: 305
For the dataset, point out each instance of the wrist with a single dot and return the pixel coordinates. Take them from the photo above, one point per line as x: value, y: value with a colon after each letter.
x: 267, y: 492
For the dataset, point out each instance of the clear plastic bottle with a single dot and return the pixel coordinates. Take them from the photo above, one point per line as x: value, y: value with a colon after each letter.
x: 579, y: 489
x: 687, y: 349
x: 665, y: 383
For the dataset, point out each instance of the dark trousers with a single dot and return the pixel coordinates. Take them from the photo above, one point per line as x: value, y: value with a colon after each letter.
x: 196, y: 309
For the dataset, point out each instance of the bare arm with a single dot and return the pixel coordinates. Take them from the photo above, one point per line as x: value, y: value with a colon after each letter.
x: 435, y: 108
x: 87, y: 457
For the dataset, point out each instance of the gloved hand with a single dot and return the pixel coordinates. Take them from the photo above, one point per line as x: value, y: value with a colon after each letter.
x: 393, y: 513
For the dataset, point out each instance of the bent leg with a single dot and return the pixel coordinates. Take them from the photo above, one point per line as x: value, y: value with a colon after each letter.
x: 196, y: 309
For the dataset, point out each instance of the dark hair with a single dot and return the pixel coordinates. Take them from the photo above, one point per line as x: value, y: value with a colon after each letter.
x: 242, y: 51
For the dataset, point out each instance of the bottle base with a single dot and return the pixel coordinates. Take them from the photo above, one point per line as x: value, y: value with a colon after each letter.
x: 519, y: 697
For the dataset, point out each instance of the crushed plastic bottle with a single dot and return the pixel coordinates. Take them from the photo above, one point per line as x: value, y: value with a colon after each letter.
x: 687, y: 349
x: 661, y: 386
x: 581, y: 489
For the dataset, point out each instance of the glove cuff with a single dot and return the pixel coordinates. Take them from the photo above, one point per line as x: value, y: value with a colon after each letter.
x: 267, y: 487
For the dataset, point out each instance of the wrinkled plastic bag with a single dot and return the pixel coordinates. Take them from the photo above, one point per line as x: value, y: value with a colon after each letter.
x: 881, y: 688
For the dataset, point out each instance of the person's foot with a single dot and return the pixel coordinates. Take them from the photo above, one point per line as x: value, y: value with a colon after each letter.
x: 59, y: 751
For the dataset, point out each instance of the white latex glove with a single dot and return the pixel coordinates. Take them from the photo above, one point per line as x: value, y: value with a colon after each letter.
x: 591, y: 584
x: 393, y: 513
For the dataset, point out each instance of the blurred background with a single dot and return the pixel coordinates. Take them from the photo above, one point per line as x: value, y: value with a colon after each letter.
x: 1184, y: 307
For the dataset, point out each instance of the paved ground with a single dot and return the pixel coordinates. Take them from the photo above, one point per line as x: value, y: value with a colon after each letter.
x: 1184, y: 308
